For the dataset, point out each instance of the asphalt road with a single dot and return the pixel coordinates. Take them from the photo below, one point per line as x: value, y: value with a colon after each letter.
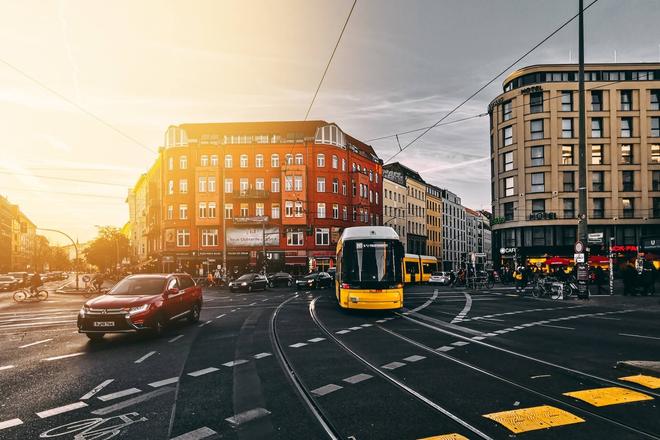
x: 452, y: 364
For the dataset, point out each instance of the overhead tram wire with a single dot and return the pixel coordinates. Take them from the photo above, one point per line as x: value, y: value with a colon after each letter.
x: 480, y: 89
x: 78, y: 106
x: 66, y: 179
x: 48, y: 191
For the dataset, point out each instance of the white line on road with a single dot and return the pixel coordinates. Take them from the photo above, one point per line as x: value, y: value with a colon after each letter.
x: 202, y: 372
x: 96, y: 389
x: 605, y: 317
x: 139, y: 361
x: 118, y: 394
x: 61, y: 409
x: 234, y: 363
x: 176, y: 338
x: 557, y: 326
x: 466, y: 309
x: 6, y: 367
x: 64, y: 356
x: 10, y: 423
x: 164, y: 382
x: 197, y: 434
x: 204, y: 323
x: 220, y: 316
x: 35, y: 343
x: 638, y: 336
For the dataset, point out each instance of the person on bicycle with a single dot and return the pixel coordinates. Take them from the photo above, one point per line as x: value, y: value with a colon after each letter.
x: 209, y: 279
x: 35, y: 283
x: 97, y: 281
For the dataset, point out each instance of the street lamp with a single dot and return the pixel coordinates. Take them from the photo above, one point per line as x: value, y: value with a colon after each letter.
x: 74, y: 246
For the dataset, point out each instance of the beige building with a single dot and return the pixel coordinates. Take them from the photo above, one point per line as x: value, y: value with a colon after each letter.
x: 534, y: 157
x: 394, y: 208
x: 434, y: 222
x: 415, y: 212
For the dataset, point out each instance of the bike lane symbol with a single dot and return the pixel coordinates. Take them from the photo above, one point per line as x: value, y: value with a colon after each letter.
x: 96, y: 428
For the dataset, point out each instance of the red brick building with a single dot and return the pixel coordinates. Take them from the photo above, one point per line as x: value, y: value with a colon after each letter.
x: 298, y: 184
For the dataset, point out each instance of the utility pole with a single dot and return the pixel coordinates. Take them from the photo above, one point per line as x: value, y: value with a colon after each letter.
x: 263, y: 241
x: 221, y: 187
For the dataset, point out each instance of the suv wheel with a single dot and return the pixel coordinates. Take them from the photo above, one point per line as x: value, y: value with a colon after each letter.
x: 158, y: 328
x: 194, y: 314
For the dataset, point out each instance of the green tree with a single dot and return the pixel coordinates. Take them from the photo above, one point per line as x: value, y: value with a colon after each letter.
x: 108, y: 249
x: 59, y: 259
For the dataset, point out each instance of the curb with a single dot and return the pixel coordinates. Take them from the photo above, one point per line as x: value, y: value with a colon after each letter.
x: 647, y: 367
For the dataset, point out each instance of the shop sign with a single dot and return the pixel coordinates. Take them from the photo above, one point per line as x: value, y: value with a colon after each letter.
x: 543, y: 216
x: 237, y: 253
x: 252, y: 237
x: 624, y: 248
x: 505, y: 251
x: 532, y: 89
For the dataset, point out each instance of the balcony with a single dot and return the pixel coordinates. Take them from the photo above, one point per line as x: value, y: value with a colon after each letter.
x: 251, y: 194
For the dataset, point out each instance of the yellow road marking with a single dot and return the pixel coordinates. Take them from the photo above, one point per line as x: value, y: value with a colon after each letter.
x: 446, y: 437
x: 536, y: 417
x: 647, y: 381
x: 608, y: 396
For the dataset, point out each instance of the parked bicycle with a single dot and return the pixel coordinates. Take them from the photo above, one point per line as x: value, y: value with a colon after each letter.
x: 93, y: 290
x: 25, y: 295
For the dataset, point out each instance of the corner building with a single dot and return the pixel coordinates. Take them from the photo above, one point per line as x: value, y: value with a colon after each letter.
x: 534, y: 158
x: 295, y: 185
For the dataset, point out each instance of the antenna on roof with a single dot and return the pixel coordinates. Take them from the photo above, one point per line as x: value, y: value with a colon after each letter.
x: 397, y: 136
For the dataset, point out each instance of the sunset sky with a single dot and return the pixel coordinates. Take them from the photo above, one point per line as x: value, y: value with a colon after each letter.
x: 87, y: 90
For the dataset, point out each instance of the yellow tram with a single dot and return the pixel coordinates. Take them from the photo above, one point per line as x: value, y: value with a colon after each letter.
x: 418, y: 268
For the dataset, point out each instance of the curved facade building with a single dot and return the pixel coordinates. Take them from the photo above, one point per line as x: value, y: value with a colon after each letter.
x: 534, y: 157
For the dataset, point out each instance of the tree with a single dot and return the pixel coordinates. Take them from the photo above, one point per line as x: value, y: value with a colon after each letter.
x: 59, y: 258
x: 108, y: 249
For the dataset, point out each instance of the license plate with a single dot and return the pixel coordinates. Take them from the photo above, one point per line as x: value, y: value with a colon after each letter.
x: 104, y: 324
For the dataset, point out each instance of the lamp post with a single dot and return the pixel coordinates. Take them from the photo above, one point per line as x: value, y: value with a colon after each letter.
x: 74, y: 246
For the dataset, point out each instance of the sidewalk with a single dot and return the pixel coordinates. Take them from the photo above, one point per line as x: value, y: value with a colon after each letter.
x: 644, y: 367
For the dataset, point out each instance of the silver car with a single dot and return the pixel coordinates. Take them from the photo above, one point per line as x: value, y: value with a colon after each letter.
x: 441, y: 278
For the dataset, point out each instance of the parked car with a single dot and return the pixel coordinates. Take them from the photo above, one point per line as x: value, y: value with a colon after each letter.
x: 441, y: 278
x: 317, y: 280
x: 141, y: 303
x: 22, y: 277
x: 332, y: 271
x: 8, y: 283
x: 280, y: 279
x: 249, y: 282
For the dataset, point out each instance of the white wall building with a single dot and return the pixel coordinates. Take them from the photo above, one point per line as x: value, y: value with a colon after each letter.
x: 454, y: 239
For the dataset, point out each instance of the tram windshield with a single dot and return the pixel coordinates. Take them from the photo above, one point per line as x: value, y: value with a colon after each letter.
x: 372, y: 262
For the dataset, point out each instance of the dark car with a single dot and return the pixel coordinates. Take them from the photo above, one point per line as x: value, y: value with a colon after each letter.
x: 249, y: 282
x: 141, y: 303
x: 8, y: 283
x: 280, y: 279
x: 22, y: 277
x: 332, y: 271
x: 317, y: 280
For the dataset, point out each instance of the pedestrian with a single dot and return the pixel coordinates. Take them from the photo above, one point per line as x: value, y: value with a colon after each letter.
x: 599, y: 278
x: 452, y: 278
x: 629, y: 274
x: 519, y: 278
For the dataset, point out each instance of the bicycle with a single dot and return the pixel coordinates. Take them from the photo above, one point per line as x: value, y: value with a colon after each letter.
x: 96, y: 428
x: 25, y: 294
x: 92, y: 290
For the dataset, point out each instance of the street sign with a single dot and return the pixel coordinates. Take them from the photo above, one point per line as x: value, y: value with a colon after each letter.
x: 595, y: 238
x: 480, y: 254
x: 579, y: 258
x: 579, y: 247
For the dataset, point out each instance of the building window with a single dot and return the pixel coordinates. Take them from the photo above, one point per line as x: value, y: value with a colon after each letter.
x: 183, y: 186
x: 322, y: 236
x: 537, y: 156
x: 569, y: 181
x: 288, y: 158
x: 275, y: 184
x: 536, y: 102
x: 655, y: 100
x: 298, y: 208
x: 599, y: 208
x: 170, y: 212
x: 343, y: 164
x: 509, y: 187
x: 656, y: 180
x: 656, y: 207
x: 297, y: 183
x: 596, y: 155
x: 335, y: 211
x: 182, y: 237
x: 209, y: 237
x: 243, y: 161
x: 229, y: 210
x: 628, y: 180
x: 567, y: 127
x: 259, y: 161
x: 211, y: 212
x: 320, y: 160
x: 295, y: 239
x: 335, y: 186
x: 536, y: 128
x: 655, y: 153
x: 538, y: 182
x: 344, y: 213
x: 204, y: 161
x: 229, y: 186
x: 275, y: 160
x: 170, y: 187
x: 288, y: 209
x: 259, y: 210
x: 538, y: 206
x: 229, y: 161
x: 299, y: 159
x: 244, y: 210
x: 626, y: 100
x: 320, y: 210
x: 567, y: 154
x: 507, y: 159
x: 183, y: 162
x: 655, y: 127
x: 569, y: 208
x: 335, y: 162
x: 259, y: 184
x: 288, y: 183
x: 211, y: 184
x: 202, y: 210
x: 626, y: 127
x: 596, y: 100
x: 170, y: 163
x: 567, y: 101
x: 275, y: 210
x: 243, y: 185
x: 628, y: 207
x: 596, y: 127
x: 507, y: 110
x: 597, y: 181
x: 202, y: 184
x: 320, y: 184
x: 626, y: 154
x: 507, y: 135
x: 214, y: 160
x: 183, y: 212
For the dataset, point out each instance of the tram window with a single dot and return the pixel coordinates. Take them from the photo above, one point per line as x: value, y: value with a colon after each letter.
x: 412, y: 267
x: 429, y: 267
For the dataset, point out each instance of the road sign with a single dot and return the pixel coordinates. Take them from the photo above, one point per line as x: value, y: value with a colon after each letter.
x: 480, y: 254
x: 595, y: 238
x: 579, y: 247
x: 579, y: 258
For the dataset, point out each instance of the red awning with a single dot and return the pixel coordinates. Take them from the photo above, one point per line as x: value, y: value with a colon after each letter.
x: 557, y: 261
x: 598, y: 259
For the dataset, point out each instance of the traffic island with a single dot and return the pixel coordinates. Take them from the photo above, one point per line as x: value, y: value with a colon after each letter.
x: 646, y: 367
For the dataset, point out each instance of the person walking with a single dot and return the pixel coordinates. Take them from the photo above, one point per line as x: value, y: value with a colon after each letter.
x: 519, y: 278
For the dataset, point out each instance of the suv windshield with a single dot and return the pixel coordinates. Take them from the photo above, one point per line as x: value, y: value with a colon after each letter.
x: 139, y: 286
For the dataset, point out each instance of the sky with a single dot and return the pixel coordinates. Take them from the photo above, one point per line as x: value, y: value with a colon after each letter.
x: 88, y: 88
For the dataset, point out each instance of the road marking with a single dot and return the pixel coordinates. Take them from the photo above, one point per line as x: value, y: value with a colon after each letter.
x: 531, y: 419
x: 61, y: 409
x: 205, y: 323
x: 247, y: 416
x: 64, y: 356
x: 298, y: 345
x: 176, y: 338
x: 133, y: 401
x: 557, y: 326
x: 357, y: 378
x: 414, y: 358
x: 540, y: 376
x: 143, y: 358
x: 380, y: 321
x: 444, y: 349
x: 343, y: 332
x: 393, y: 365
x: 6, y: 367
x: 10, y: 423
x: 235, y: 363
x: 220, y: 316
x: 36, y: 343
x: 639, y: 336
x: 605, y: 317
x: 452, y: 436
x: 459, y: 343
x: 261, y: 355
x: 647, y: 381
x: 326, y: 389
x: 161, y: 383
x: 202, y: 372
x: 466, y: 309
x: 252, y: 304
x: 316, y: 340
x: 366, y: 325
x: 355, y: 328
x: 197, y: 434
x: 97, y: 388
x: 118, y: 394
x: 478, y: 338
x: 608, y: 396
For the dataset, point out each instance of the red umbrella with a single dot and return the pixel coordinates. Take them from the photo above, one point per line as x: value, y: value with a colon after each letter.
x: 558, y: 261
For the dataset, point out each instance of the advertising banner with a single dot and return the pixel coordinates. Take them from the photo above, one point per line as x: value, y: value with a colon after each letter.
x: 252, y: 237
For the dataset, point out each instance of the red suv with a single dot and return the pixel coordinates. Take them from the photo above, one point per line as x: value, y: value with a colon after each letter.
x: 141, y: 303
